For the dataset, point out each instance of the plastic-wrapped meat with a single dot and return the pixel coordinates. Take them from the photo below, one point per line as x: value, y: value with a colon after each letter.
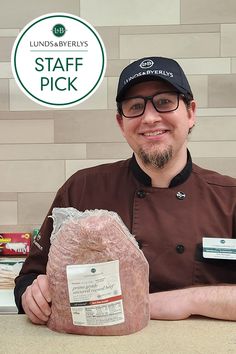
x: 98, y: 276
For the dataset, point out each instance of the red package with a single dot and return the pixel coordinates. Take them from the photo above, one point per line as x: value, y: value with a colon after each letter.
x: 15, y: 244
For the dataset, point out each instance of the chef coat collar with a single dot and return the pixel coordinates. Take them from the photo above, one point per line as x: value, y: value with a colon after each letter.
x: 180, y: 178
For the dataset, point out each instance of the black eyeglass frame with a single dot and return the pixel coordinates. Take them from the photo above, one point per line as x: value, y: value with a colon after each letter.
x: 150, y: 98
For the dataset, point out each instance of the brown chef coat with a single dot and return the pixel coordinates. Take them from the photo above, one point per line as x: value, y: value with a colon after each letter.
x: 168, y: 223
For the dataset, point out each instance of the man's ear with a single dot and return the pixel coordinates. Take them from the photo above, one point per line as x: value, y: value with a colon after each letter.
x: 192, y: 113
x: 120, y: 121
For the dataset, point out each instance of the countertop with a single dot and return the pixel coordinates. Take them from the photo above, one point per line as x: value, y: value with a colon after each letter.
x: 194, y: 335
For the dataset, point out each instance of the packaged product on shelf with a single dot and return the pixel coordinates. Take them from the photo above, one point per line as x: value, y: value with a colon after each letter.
x: 15, y: 244
x: 9, y: 269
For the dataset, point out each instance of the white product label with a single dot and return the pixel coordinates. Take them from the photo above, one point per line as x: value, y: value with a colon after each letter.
x: 95, y: 294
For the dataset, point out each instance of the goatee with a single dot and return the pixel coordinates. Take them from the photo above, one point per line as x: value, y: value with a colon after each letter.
x: 156, y: 159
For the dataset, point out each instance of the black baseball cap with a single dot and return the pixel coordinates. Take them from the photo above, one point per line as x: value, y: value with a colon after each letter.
x: 153, y: 68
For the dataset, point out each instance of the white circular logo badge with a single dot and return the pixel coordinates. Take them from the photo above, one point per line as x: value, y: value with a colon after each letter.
x: 58, y: 60
x: 146, y: 64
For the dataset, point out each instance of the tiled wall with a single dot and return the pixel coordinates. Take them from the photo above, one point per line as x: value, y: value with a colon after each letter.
x: 40, y: 148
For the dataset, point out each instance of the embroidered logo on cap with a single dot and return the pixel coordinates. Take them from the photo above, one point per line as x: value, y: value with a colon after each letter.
x: 146, y: 64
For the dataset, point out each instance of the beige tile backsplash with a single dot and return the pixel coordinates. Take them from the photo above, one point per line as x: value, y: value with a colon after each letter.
x: 4, y: 95
x: 208, y: 11
x: 199, y: 85
x: 5, y: 70
x: 15, y: 15
x: 6, y: 32
x: 132, y: 12
x: 221, y: 90
x: 228, y: 33
x: 6, y: 44
x: 40, y: 147
x: 26, y: 131
x: 213, y: 148
x: 32, y: 207
x: 193, y: 28
x: 93, y: 126
x: 196, y: 45
x: 42, y: 151
x: 214, y: 129
x: 206, y: 66
x: 8, y: 212
x: 31, y: 176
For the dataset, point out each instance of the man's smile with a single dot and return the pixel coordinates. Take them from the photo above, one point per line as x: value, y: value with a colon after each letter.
x: 154, y: 133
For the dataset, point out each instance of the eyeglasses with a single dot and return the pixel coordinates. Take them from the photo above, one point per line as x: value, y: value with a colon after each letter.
x: 163, y: 102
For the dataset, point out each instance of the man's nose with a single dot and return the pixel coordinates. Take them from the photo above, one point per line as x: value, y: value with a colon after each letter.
x: 150, y: 114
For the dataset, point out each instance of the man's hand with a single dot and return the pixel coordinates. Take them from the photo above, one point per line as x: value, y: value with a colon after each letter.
x: 36, y: 300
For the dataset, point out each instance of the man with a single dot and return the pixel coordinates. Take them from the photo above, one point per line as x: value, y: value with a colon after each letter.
x: 173, y: 207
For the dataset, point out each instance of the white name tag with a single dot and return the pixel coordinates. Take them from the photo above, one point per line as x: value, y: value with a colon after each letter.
x: 221, y: 248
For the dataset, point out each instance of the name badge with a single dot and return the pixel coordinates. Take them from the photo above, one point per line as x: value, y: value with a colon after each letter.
x: 219, y: 248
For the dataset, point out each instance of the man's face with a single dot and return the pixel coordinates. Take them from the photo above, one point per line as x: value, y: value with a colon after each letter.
x: 157, y: 133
